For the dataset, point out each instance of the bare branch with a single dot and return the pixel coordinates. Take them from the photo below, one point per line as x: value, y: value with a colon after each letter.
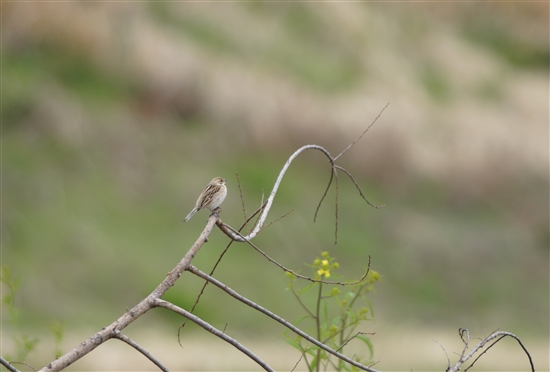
x: 214, y: 269
x: 362, y: 134
x: 355, y: 336
x: 336, y: 209
x: 277, y: 318
x: 141, y: 308
x: 118, y: 335
x: 238, y: 237
x: 332, y: 173
x: 263, y: 216
x: 358, y: 188
x: 170, y: 306
x: 447, y: 355
x: 277, y: 219
x: 242, y: 201
x: 500, y: 335
x: 8, y: 365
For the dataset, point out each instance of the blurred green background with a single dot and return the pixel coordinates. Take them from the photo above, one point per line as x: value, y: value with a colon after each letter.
x: 116, y: 115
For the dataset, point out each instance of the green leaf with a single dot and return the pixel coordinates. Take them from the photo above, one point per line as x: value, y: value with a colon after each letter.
x: 368, y: 342
x: 295, y: 344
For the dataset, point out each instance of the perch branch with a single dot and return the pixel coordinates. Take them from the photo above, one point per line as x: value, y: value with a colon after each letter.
x: 197, y: 300
x: 141, y: 308
x: 277, y: 318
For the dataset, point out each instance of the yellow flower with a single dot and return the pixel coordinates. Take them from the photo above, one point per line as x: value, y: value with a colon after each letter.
x: 325, y: 273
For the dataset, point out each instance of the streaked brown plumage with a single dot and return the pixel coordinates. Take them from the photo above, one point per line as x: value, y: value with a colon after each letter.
x: 211, y: 198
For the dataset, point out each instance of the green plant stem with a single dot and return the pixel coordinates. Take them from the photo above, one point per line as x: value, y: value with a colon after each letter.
x: 318, y: 321
x: 345, y: 319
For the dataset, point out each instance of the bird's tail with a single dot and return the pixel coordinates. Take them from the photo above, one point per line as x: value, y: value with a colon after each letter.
x: 190, y: 215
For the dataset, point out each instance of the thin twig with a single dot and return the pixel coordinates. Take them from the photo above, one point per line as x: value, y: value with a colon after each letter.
x: 242, y: 201
x: 239, y: 236
x: 213, y: 270
x: 298, y: 362
x: 353, y: 337
x: 275, y: 317
x: 119, y: 336
x: 447, y: 355
x: 359, y: 189
x: 324, y: 194
x: 170, y: 306
x: 277, y: 219
x: 336, y: 209
x: 362, y: 134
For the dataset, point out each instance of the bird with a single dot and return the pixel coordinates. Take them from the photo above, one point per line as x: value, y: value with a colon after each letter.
x: 212, y: 197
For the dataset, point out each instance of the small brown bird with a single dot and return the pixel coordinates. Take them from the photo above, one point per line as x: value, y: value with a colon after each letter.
x: 211, y: 198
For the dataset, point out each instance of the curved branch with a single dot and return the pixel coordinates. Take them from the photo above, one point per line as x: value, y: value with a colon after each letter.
x: 170, y: 306
x: 500, y: 335
x: 269, y: 202
x: 119, y: 336
x: 277, y: 318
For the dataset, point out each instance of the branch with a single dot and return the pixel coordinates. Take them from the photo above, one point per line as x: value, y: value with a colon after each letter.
x: 269, y: 202
x: 119, y: 336
x: 277, y: 318
x: 464, y: 334
x: 8, y: 365
x: 170, y: 306
x: 228, y: 230
x: 334, y: 175
x: 245, y: 223
x: 362, y: 134
x: 141, y: 308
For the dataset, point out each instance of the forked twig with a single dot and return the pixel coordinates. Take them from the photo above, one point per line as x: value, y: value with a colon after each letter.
x: 334, y: 174
x: 499, y: 335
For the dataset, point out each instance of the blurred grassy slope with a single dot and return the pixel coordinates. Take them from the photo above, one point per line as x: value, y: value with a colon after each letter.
x: 115, y: 116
